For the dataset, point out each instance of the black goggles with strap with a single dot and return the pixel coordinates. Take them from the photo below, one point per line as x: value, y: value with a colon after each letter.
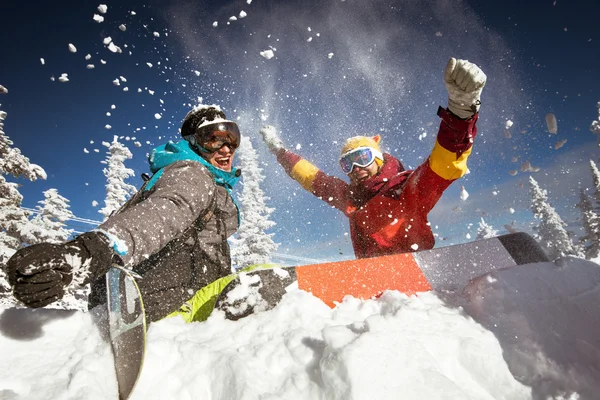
x: 213, y: 136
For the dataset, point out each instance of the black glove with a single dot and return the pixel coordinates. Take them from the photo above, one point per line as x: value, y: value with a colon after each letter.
x: 39, y: 273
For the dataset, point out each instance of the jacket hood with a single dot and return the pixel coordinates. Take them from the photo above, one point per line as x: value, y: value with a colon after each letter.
x: 171, y: 152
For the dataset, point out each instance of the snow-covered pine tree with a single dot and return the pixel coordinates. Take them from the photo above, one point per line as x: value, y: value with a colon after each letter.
x: 596, y: 179
x: 595, y: 127
x: 117, y: 191
x: 590, y: 221
x: 14, y: 222
x: 51, y: 217
x: 485, y: 231
x: 251, y: 244
x: 551, y: 230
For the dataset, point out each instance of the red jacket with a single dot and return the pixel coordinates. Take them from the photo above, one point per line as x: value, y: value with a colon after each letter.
x: 388, y: 212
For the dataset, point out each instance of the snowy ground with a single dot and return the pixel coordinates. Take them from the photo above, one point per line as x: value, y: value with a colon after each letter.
x: 529, y: 332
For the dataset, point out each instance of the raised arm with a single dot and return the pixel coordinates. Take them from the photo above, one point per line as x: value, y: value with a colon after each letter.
x: 330, y: 189
x: 448, y: 159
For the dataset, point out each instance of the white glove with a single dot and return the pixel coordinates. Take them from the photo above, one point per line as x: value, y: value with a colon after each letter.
x: 272, y: 140
x: 464, y: 81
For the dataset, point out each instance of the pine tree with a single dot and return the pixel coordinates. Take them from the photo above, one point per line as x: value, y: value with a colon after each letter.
x: 551, y: 230
x: 485, y: 231
x: 595, y: 127
x: 251, y: 244
x: 13, y: 219
x: 596, y: 179
x: 591, y: 225
x: 51, y: 217
x: 117, y: 191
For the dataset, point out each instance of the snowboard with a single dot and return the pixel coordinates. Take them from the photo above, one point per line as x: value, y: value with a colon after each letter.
x: 441, y: 269
x: 127, y: 327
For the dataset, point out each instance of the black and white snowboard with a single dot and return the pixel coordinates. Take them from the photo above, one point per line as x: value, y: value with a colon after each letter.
x: 127, y: 326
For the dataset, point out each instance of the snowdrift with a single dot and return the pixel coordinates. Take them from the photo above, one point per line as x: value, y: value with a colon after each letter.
x: 527, y: 332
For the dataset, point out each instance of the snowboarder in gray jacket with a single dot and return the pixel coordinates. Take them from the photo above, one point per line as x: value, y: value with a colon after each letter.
x: 173, y: 232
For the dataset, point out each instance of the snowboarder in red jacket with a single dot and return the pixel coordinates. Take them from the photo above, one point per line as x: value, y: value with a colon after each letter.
x: 387, y: 206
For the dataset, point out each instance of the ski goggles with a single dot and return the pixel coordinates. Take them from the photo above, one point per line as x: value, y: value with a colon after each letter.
x: 360, y: 157
x: 213, y: 136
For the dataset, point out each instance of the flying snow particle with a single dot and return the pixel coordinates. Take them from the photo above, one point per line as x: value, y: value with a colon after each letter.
x: 88, y: 56
x: 513, y: 172
x: 156, y: 34
x: 527, y: 167
x: 42, y: 61
x: 560, y: 144
x: 551, y: 123
x: 157, y: 116
x: 108, y: 114
x: 414, y: 246
x: 94, y: 203
x: 511, y: 210
x: 3, y: 90
x: 468, y: 236
x: 102, y: 8
x: 508, y: 124
x: 197, y: 73
x: 298, y: 146
x: 126, y: 89
x: 243, y: 14
x: 151, y: 92
x: 90, y: 66
x: 233, y: 18
x: 249, y: 1
x: 63, y: 78
x: 107, y: 126
x: 72, y: 48
x: 464, y: 195
x: 116, y: 82
x: 112, y: 107
x: 114, y: 48
x: 132, y: 12
x: 309, y: 39
x: 86, y: 151
x: 107, y: 40
x: 122, y: 27
x: 268, y: 54
x: 149, y: 64
x: 330, y: 55
x: 438, y: 34
x: 122, y: 79
x: 215, y: 24
x: 137, y: 144
x: 102, y: 62
x: 98, y: 18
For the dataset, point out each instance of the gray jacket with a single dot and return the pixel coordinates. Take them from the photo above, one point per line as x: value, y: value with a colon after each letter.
x: 152, y: 223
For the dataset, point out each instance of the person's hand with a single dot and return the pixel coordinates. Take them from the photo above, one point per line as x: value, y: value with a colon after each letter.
x: 271, y: 139
x: 464, y: 81
x: 39, y: 273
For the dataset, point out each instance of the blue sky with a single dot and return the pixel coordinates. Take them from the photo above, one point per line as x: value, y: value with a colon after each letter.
x: 341, y: 68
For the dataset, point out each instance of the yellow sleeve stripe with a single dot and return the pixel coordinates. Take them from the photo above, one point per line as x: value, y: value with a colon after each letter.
x: 446, y: 164
x: 304, y: 173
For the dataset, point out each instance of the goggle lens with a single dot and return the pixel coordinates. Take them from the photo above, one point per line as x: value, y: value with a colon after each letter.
x: 214, y: 136
x: 361, y: 157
